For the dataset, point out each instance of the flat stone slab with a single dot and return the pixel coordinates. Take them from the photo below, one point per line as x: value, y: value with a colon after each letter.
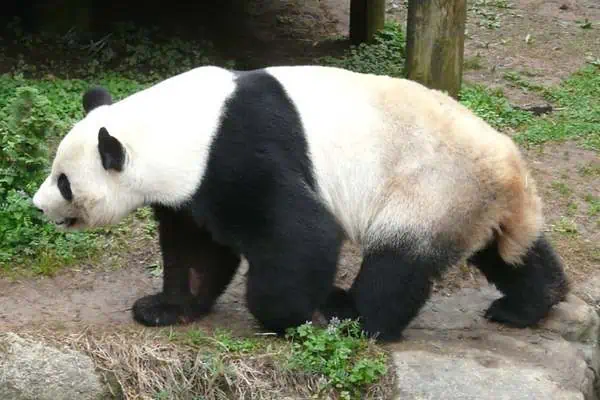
x: 451, y: 352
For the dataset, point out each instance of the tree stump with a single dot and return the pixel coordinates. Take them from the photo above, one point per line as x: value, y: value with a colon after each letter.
x: 435, y: 38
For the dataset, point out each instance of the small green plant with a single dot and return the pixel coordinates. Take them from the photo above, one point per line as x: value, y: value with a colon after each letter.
x: 566, y: 226
x: 517, y: 80
x: 473, y: 63
x: 586, y: 24
x: 385, y: 56
x: 594, y: 204
x: 589, y: 169
x: 150, y: 224
x: 487, y: 11
x: 562, y: 188
x: 341, y: 353
x: 572, y: 208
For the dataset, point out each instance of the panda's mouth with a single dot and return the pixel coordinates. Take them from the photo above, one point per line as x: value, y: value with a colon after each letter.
x: 67, y: 222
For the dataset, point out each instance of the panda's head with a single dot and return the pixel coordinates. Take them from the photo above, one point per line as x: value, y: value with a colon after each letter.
x: 90, y: 183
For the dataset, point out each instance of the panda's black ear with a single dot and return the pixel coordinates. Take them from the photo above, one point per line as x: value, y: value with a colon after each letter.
x: 95, y: 97
x: 112, y: 152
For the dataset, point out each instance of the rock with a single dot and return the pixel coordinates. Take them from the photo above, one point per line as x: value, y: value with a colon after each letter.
x: 31, y: 370
x: 451, y: 352
x: 574, y: 320
x: 462, y: 310
x: 589, y: 290
x: 473, y: 376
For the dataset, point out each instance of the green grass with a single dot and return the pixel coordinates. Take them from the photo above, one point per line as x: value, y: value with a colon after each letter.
x: 578, y: 114
x: 561, y: 188
x: 566, y: 226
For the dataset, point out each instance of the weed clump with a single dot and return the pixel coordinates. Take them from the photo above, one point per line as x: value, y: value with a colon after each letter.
x: 341, y: 353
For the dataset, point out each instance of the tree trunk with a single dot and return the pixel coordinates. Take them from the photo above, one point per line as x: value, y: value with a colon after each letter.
x: 435, y: 38
x: 366, y: 18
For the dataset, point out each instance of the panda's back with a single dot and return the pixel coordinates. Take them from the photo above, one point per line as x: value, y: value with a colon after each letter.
x: 375, y: 139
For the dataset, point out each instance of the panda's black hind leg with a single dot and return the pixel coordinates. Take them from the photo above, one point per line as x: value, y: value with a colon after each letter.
x: 196, y: 272
x: 395, y: 281
x: 530, y: 289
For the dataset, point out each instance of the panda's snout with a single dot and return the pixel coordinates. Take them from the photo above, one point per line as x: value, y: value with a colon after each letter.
x: 36, y: 203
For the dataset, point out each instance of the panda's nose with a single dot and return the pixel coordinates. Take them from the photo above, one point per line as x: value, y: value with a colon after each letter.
x: 39, y: 210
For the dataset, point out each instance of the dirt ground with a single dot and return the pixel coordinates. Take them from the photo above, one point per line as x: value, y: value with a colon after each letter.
x: 288, y: 32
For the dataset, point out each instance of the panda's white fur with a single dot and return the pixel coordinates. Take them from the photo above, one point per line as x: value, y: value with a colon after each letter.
x: 389, y: 157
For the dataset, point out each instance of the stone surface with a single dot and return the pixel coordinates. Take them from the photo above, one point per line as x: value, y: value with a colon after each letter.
x: 589, y: 291
x: 473, y: 376
x: 31, y: 370
x: 451, y: 352
x: 575, y: 320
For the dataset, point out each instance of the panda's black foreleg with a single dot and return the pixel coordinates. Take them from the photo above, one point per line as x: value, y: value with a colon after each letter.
x: 196, y: 272
x: 394, y: 283
x: 530, y: 289
x: 292, y: 268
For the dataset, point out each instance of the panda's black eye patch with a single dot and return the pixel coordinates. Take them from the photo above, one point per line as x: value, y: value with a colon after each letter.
x: 65, y: 187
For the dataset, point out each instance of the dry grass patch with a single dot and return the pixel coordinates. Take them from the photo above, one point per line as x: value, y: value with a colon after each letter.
x: 185, y: 363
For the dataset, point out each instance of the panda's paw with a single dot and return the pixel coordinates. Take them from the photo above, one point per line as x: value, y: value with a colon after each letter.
x: 155, y: 310
x: 508, y: 312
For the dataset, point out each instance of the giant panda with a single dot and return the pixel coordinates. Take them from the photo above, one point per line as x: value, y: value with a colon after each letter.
x: 281, y: 165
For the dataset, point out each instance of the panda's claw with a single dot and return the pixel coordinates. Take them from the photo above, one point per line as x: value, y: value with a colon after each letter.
x: 155, y: 310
